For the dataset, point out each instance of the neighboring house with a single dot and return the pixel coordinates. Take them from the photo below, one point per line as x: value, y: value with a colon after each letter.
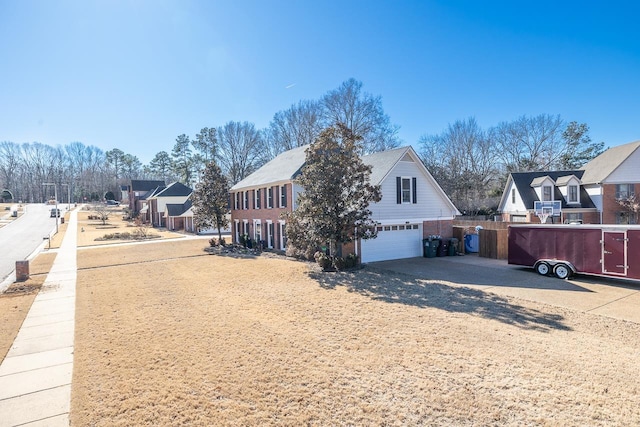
x: 175, y: 193
x: 523, y: 189
x: 138, y: 192
x: 413, y: 206
x: 614, y: 175
x: 179, y: 216
x: 589, y: 195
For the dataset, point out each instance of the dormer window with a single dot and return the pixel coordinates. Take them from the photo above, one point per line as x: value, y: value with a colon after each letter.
x: 547, y: 193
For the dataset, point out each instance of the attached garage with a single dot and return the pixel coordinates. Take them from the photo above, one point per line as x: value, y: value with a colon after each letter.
x: 393, y: 242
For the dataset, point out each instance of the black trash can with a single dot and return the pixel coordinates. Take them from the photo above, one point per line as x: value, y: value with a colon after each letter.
x: 443, y: 248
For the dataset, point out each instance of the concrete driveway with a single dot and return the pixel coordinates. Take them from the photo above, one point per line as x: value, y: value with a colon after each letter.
x: 608, y: 297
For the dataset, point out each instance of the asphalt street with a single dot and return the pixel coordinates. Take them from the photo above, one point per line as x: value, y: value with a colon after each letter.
x: 21, y: 237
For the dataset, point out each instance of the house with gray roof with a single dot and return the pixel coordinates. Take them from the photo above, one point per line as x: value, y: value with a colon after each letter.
x: 412, y: 207
x: 175, y: 193
x: 591, y: 195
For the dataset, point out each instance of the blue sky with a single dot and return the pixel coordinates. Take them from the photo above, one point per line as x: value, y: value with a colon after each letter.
x: 136, y: 74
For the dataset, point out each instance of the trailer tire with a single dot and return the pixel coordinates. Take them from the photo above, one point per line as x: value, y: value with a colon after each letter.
x: 542, y: 268
x: 562, y: 271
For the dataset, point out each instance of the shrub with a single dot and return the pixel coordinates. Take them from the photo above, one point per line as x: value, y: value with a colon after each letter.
x: 351, y: 260
x: 323, y: 260
x: 222, y: 242
x: 212, y: 242
x: 339, y: 263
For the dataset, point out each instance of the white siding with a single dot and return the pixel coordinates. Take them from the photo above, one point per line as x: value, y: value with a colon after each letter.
x: 595, y: 193
x: 628, y: 172
x: 514, y: 208
x: 173, y: 200
x: 431, y: 204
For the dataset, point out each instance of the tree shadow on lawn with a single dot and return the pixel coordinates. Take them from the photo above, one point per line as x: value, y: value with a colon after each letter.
x: 400, y: 288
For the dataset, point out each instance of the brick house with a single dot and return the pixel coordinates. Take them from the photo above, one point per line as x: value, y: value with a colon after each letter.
x: 139, y: 190
x: 412, y: 207
x: 590, y: 195
x: 175, y: 193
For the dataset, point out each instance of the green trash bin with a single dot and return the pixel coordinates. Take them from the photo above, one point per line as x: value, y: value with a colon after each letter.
x: 430, y: 247
x: 453, y: 246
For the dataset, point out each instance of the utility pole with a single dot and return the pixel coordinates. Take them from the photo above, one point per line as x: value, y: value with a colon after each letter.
x: 68, y: 196
x: 55, y: 195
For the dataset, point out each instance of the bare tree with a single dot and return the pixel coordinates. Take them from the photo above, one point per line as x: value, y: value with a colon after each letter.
x: 300, y: 125
x: 462, y: 159
x: 240, y: 150
x: 362, y: 113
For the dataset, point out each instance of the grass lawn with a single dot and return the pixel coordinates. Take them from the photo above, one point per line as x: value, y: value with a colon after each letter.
x: 166, y: 335
x: 16, y: 301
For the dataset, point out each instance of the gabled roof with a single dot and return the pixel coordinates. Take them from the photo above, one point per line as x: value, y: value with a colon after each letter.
x: 564, y: 180
x: 538, y: 181
x: 145, y: 185
x: 149, y: 194
x: 382, y: 162
x: 282, y: 168
x: 523, y: 181
x: 598, y: 169
x: 175, y: 189
x: 287, y: 166
x: 174, y: 209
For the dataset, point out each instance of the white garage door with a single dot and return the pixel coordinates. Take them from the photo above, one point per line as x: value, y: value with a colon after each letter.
x: 393, y: 242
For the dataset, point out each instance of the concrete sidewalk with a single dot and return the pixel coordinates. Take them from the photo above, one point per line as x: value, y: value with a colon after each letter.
x: 35, y: 377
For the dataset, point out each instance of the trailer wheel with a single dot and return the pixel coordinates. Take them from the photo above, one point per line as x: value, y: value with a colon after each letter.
x: 562, y: 271
x: 542, y: 268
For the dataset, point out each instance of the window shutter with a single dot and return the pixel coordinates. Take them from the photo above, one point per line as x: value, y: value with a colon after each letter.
x: 284, y: 196
x: 258, y: 198
x: 398, y: 190
x: 415, y: 190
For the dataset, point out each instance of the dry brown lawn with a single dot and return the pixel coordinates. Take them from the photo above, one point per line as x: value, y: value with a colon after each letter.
x: 91, y: 229
x: 16, y: 301
x: 175, y: 338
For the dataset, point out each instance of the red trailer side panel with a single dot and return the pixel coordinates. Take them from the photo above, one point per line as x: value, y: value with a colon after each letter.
x: 581, y: 247
x: 633, y: 254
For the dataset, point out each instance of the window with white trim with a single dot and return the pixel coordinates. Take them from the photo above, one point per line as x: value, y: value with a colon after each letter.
x: 270, y: 235
x: 270, y: 198
x: 257, y: 231
x: 572, y: 193
x: 283, y: 236
x: 406, y: 190
x: 235, y: 201
x: 245, y: 200
x: 513, y: 195
x: 547, y: 194
x: 256, y: 201
x: 283, y: 196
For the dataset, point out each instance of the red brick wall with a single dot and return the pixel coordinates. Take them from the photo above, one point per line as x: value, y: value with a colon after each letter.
x: 263, y: 214
x: 443, y: 227
x: 610, y: 205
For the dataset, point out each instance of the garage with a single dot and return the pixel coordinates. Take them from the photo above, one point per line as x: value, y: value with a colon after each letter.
x: 393, y: 242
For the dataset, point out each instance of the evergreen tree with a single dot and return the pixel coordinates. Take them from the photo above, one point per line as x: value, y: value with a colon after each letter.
x: 334, y: 207
x: 182, y: 159
x: 211, y: 199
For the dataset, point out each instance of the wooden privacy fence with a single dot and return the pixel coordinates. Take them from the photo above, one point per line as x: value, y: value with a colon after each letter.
x: 493, y: 244
x: 492, y: 239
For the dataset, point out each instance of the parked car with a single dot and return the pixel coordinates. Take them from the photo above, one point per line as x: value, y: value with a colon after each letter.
x: 53, y: 213
x: 113, y: 203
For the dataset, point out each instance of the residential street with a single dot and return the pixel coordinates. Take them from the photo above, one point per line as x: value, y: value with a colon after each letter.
x: 20, y: 238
